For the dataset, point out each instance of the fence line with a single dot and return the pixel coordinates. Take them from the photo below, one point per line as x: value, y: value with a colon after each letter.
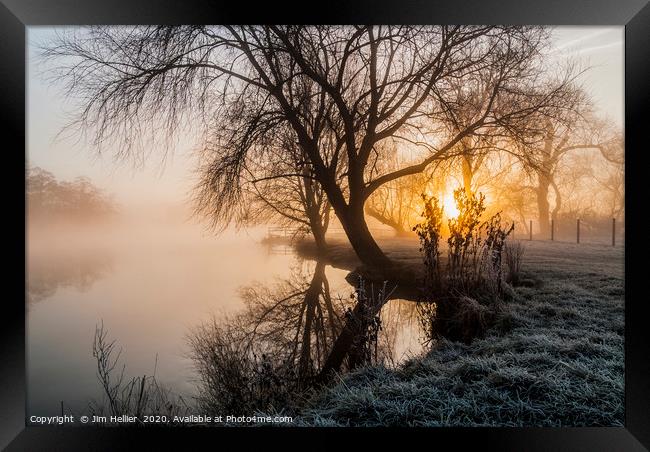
x: 584, y: 231
x: 281, y: 232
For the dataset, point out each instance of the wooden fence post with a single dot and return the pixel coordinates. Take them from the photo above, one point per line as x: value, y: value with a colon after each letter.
x: 552, y: 229
x: 578, y: 230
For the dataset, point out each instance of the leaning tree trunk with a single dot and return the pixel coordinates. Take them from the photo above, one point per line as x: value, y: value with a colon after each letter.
x: 352, y: 218
x: 354, y: 224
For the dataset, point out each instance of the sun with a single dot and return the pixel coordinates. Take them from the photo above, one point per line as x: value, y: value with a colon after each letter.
x: 449, y: 204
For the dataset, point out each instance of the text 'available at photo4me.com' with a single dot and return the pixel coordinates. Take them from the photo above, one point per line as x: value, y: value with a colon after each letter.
x: 124, y: 419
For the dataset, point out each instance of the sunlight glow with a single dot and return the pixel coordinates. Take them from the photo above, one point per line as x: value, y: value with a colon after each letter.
x: 449, y: 204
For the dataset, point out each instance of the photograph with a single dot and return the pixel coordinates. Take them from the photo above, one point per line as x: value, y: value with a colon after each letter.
x: 325, y: 225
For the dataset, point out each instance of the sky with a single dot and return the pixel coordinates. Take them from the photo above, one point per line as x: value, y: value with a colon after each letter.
x: 600, y: 48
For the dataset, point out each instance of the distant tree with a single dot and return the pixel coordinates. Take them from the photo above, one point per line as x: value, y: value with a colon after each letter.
x: 41, y: 186
x: 513, y: 192
x: 613, y: 183
x: 472, y: 150
x: 397, y: 203
x: 573, y: 128
x: 79, y: 199
x: 590, y: 185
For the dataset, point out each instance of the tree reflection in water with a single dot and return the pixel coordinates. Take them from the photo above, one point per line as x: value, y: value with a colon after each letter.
x: 46, y: 274
x: 290, y: 337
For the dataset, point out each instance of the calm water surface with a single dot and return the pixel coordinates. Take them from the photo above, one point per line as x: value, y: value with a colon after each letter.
x: 149, y: 284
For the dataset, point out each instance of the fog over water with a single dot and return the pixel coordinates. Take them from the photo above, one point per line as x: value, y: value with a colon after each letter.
x: 111, y: 240
x: 150, y: 277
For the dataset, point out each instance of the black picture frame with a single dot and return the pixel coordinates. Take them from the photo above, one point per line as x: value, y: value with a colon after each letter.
x: 16, y: 15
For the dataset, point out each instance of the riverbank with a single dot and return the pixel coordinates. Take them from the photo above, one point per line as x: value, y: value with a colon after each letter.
x: 561, y: 362
x: 408, y: 275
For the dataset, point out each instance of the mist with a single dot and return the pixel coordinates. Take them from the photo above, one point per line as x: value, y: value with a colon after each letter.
x: 407, y: 204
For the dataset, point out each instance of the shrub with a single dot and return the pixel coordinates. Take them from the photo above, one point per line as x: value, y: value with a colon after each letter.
x: 469, y: 319
x: 429, y: 232
x: 464, y: 252
x: 367, y: 324
x: 235, y: 375
x: 137, y: 396
x: 452, y: 303
x: 514, y: 254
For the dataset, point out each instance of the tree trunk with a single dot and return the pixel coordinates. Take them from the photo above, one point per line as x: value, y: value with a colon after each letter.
x: 318, y: 222
x: 558, y: 201
x: 318, y: 230
x: 362, y: 240
x: 468, y: 174
x: 354, y: 224
x: 352, y: 218
x: 543, y: 205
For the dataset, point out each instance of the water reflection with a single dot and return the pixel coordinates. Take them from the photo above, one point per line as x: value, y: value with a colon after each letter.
x: 151, y: 285
x: 292, y: 335
x: 48, y: 273
x: 296, y: 319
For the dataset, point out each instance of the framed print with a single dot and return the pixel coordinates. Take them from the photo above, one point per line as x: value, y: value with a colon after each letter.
x: 416, y: 225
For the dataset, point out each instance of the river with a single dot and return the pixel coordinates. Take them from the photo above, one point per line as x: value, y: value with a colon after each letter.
x: 149, y: 283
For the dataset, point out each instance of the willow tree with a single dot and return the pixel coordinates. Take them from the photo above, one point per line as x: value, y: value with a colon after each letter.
x: 572, y: 128
x: 398, y: 203
x: 280, y: 189
x: 342, y: 90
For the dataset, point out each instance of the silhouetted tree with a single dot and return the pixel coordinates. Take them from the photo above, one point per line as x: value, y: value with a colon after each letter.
x: 571, y: 128
x: 79, y: 199
x: 281, y: 189
x: 341, y: 89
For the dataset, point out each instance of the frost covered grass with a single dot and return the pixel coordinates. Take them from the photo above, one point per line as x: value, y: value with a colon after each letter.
x: 558, y: 361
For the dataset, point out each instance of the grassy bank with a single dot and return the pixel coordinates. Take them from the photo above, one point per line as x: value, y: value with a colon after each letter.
x: 560, y: 363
